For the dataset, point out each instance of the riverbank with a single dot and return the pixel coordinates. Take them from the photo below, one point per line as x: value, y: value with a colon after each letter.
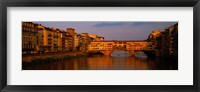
x: 31, y: 60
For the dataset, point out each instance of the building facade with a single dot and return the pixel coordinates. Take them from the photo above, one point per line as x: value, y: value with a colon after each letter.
x: 170, y: 41
x: 29, y: 37
x: 156, y: 38
x: 41, y: 39
x: 165, y: 42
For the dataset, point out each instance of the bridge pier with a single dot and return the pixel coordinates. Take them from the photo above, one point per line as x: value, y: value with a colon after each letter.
x: 131, y: 52
x: 107, y: 53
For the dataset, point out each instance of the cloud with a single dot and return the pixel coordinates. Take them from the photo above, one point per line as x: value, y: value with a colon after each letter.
x: 104, y: 24
x: 144, y: 23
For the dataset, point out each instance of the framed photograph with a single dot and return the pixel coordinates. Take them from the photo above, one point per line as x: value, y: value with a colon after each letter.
x: 74, y: 45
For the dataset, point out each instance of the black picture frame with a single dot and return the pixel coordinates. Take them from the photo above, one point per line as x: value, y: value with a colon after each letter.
x: 100, y: 3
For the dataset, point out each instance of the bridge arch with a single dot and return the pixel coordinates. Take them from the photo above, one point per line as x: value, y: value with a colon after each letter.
x: 131, y: 52
x: 95, y: 52
x: 119, y: 53
x: 150, y: 53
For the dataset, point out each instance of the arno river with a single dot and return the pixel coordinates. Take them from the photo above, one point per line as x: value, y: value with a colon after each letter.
x: 99, y: 62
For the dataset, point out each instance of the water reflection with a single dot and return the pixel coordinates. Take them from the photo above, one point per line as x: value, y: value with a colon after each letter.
x: 108, y: 63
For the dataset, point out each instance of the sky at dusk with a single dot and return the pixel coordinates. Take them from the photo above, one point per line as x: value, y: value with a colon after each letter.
x: 112, y: 30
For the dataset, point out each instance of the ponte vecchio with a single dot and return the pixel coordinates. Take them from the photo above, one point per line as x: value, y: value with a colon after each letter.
x: 132, y: 46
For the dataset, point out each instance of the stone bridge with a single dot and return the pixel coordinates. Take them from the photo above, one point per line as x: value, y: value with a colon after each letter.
x: 107, y: 47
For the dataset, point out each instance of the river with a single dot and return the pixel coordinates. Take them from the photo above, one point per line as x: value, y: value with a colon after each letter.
x: 100, y: 62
